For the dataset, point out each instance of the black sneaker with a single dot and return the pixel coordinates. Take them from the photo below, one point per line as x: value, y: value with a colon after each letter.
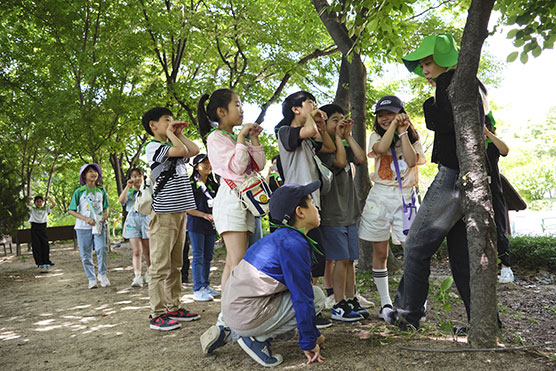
x: 342, y: 312
x: 163, y: 323
x: 460, y: 330
x: 322, y: 322
x: 354, y: 304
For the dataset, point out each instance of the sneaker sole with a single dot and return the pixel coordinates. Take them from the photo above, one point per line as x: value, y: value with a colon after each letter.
x: 202, y: 300
x: 208, y: 338
x: 324, y: 326
x: 166, y: 328
x: 185, y: 319
x: 254, y: 356
x: 344, y: 319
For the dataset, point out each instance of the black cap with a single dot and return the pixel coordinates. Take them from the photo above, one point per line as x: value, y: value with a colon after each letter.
x: 198, y: 159
x: 389, y: 103
x: 286, y: 198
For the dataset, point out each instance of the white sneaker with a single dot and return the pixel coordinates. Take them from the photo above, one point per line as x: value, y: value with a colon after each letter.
x: 137, y: 282
x: 103, y: 280
x: 93, y: 284
x: 506, y: 275
x: 329, y: 302
x: 146, y: 277
x: 364, y: 302
x: 202, y: 295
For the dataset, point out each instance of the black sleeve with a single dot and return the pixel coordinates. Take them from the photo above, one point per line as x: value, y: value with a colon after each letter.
x: 289, y: 137
x: 438, y: 110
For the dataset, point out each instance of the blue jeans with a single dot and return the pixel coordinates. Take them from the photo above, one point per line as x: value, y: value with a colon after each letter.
x: 258, y: 232
x: 439, y: 216
x: 87, y: 240
x: 202, y: 246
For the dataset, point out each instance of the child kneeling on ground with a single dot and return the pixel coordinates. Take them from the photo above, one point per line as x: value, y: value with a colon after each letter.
x: 269, y: 293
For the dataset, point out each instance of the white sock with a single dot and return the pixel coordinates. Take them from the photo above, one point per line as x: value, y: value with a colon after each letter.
x: 381, y: 282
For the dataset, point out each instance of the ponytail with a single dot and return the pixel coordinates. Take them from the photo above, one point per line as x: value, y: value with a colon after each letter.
x: 220, y: 98
x: 202, y: 118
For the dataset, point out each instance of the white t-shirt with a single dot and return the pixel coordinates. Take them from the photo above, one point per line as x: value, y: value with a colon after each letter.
x: 385, y: 172
x: 37, y: 215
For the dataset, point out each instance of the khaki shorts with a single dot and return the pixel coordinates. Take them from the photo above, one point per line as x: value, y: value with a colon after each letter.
x: 228, y: 213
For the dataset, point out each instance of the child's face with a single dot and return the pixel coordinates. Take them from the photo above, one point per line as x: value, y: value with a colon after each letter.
x: 91, y: 175
x: 306, y: 108
x: 204, y: 167
x: 431, y: 70
x: 160, y: 126
x: 137, y: 178
x: 312, y: 216
x: 39, y: 202
x: 385, y: 118
x: 332, y: 122
x: 233, y: 114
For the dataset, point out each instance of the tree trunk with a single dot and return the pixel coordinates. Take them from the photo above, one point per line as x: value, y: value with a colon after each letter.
x: 357, y: 81
x: 50, y: 173
x: 342, y: 91
x: 477, y: 202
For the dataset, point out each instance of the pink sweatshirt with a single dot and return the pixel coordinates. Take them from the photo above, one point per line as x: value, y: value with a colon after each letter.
x: 231, y: 160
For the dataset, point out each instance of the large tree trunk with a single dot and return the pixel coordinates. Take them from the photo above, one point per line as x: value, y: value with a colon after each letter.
x: 464, y: 94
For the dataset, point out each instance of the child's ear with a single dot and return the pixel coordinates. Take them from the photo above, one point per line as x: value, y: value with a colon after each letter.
x: 299, y: 212
x: 295, y: 110
x: 152, y: 124
x: 221, y: 112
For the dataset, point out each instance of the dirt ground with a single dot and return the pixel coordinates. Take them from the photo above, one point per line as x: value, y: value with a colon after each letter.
x: 51, y: 321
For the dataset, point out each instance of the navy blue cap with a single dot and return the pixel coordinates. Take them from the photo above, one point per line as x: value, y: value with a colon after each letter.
x: 198, y: 159
x: 389, y: 103
x: 285, y: 199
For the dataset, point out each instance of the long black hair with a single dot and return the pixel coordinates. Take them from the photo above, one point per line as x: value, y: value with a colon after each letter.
x: 292, y: 100
x: 411, y: 132
x: 219, y: 99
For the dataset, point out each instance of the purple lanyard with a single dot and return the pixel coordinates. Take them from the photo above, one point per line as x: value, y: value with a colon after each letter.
x: 395, y: 159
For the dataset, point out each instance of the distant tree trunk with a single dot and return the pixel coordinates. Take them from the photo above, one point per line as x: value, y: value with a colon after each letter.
x: 353, y: 75
x: 50, y: 173
x: 342, y: 91
x: 477, y: 204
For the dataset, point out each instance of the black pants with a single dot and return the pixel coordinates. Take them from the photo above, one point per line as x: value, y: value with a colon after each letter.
x: 39, y: 243
x: 186, y: 263
x: 502, y: 242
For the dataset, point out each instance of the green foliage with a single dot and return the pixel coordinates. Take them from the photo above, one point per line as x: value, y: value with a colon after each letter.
x: 443, y: 303
x: 12, y: 204
x: 535, y: 22
x: 533, y: 252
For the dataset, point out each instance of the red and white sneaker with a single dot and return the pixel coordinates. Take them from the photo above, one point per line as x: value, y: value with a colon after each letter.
x: 163, y: 323
x: 182, y: 315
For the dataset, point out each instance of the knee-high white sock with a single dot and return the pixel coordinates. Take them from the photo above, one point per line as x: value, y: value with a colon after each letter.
x: 381, y: 282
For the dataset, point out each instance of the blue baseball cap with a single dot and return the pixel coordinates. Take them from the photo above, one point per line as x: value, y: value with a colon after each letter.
x: 285, y: 200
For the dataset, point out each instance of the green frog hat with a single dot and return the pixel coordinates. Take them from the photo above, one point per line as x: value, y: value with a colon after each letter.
x: 442, y: 47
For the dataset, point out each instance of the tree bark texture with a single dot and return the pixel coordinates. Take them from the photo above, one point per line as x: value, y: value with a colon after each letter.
x: 353, y: 75
x: 477, y: 202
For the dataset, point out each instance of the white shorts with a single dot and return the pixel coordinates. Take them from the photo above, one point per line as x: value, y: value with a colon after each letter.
x: 383, y: 213
x: 229, y: 216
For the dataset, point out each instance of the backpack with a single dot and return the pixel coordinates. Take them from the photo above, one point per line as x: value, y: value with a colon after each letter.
x: 144, y: 199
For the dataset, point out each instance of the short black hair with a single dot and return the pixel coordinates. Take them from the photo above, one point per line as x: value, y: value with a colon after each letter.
x: 331, y: 109
x: 38, y: 197
x: 154, y: 114
x: 304, y: 203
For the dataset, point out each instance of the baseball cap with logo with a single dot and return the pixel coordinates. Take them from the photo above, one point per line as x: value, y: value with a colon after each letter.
x: 389, y: 103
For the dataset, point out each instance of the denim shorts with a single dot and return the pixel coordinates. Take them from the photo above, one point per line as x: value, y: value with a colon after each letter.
x: 340, y: 243
x: 136, y: 225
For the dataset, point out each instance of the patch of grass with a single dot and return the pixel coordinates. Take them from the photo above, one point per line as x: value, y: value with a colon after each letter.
x: 114, y: 255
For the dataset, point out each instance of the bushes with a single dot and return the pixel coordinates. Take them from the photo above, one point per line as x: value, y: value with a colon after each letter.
x: 529, y: 252
x: 533, y: 252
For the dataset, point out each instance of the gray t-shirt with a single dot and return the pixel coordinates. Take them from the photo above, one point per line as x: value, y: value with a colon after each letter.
x: 340, y: 206
x: 296, y: 157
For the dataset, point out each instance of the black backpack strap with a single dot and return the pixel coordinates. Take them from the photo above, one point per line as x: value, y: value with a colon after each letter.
x: 166, y: 175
